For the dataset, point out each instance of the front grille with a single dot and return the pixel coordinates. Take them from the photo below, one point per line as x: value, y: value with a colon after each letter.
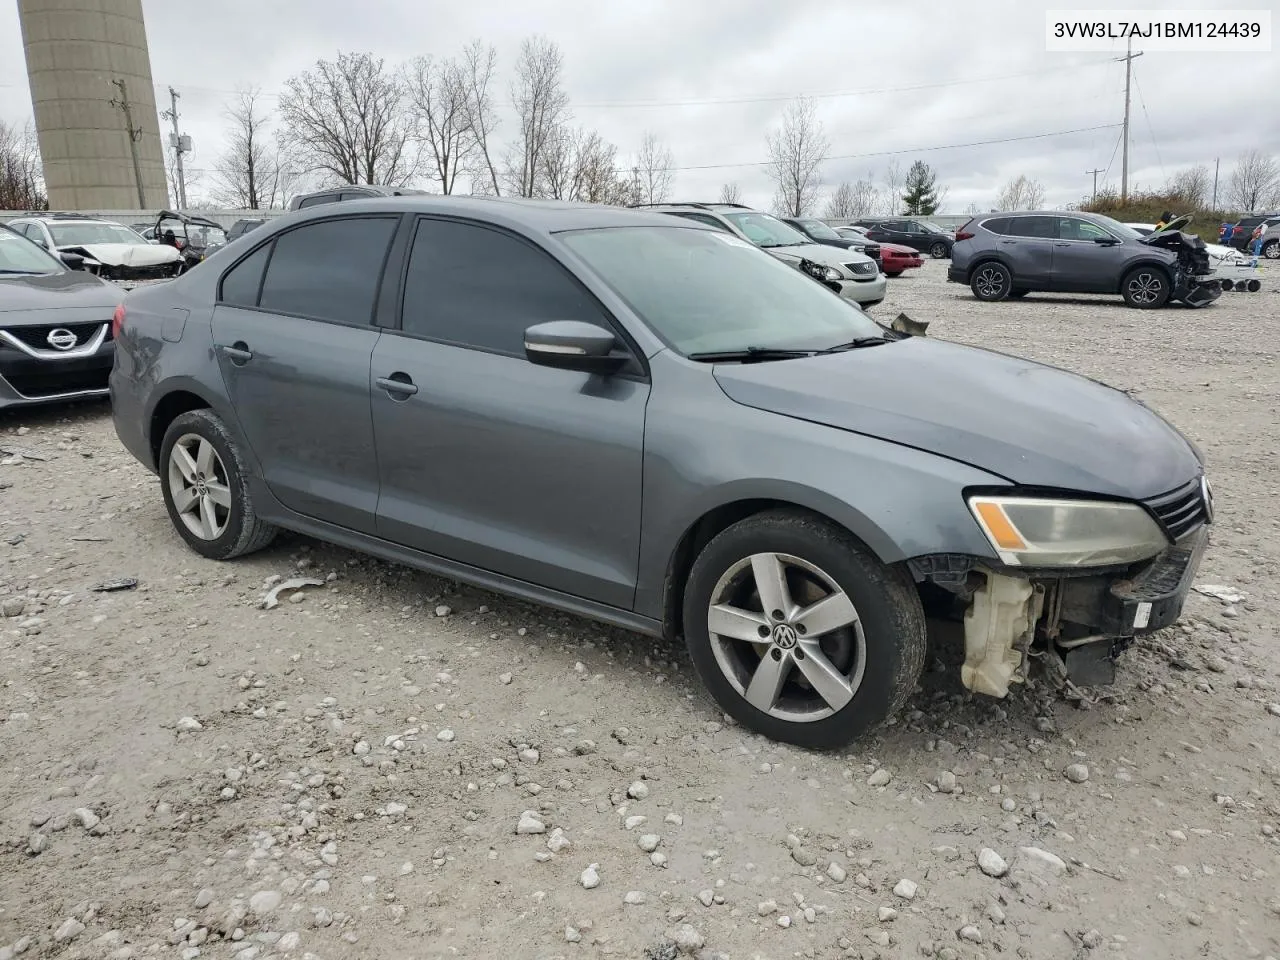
x: 1180, y: 511
x: 55, y: 381
x: 861, y: 269
x: 37, y: 338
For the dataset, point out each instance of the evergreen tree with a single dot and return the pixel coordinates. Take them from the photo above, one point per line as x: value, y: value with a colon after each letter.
x: 920, y: 192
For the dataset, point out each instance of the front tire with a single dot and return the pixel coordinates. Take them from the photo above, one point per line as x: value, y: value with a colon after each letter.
x: 799, y: 633
x: 203, y: 480
x: 991, y: 282
x: 896, y: 273
x: 1145, y: 288
x: 938, y: 250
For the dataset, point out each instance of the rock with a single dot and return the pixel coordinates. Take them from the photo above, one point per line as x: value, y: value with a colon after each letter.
x: 887, y: 914
x: 638, y: 790
x: 649, y: 842
x: 88, y: 819
x: 906, y: 889
x: 505, y: 680
x: 706, y: 897
x: 572, y: 935
x: 68, y: 930
x: 530, y: 824
x: 784, y: 922
x: 880, y: 778
x: 991, y: 863
x: 634, y: 898
x: 265, y: 901
x: 836, y: 872
x: 530, y: 755
x: 203, y: 899
x: 1273, y: 709
x: 1077, y: 773
x: 970, y: 933
x: 804, y: 856
x: 445, y: 736
x: 632, y: 822
x: 443, y: 610
x: 658, y: 858
x: 37, y: 844
x: 189, y: 725
x: 558, y: 842
x: 1041, y: 861
x: 1008, y: 805
x: 290, y: 941
x: 946, y: 782
x: 590, y: 878
x: 767, y: 907
x: 688, y: 940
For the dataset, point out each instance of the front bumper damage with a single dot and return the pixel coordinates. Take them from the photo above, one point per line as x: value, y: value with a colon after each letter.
x: 1083, y: 619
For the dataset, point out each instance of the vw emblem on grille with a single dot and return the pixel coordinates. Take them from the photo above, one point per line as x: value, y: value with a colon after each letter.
x: 1206, y: 496
x: 62, y: 339
x: 784, y: 636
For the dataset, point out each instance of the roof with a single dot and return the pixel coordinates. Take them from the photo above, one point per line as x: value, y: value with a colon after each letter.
x: 77, y: 217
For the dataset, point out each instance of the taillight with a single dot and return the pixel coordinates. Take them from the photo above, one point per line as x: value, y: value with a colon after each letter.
x: 180, y: 244
x: 963, y: 233
x: 117, y: 322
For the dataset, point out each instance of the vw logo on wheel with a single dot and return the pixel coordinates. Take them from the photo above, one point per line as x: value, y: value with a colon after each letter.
x: 61, y: 339
x: 784, y: 636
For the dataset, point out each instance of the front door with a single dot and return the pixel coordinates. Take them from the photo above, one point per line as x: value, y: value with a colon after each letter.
x: 1086, y: 258
x: 293, y: 332
x: 486, y: 459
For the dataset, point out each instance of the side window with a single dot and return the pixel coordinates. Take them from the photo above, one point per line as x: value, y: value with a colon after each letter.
x: 316, y: 201
x: 1036, y: 228
x: 481, y: 288
x: 1069, y: 228
x: 241, y: 283
x: 704, y: 219
x: 329, y: 270
x: 910, y: 226
x: 998, y: 225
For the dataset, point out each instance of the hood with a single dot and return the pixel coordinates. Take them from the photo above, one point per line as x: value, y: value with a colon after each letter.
x: 1034, y: 425
x: 821, y: 253
x: 60, y: 291
x: 899, y: 248
x: 125, y: 254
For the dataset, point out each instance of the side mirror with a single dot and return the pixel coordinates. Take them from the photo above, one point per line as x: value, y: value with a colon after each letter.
x: 72, y: 260
x: 573, y: 345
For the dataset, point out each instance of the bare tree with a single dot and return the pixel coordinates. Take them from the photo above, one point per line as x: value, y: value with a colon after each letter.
x: 1021, y: 193
x: 852, y: 200
x: 894, y: 178
x: 193, y: 176
x: 21, y: 173
x: 245, y: 176
x: 478, y: 66
x: 349, y: 120
x: 1255, y: 182
x: 655, y: 165
x: 542, y: 110
x: 730, y: 193
x: 796, y: 151
x: 581, y: 165
x: 437, y: 94
x: 1191, y: 186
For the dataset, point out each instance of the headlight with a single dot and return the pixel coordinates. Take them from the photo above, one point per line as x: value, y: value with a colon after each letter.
x: 829, y: 273
x: 1067, y: 533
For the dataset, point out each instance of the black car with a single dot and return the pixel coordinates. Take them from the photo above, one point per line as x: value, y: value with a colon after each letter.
x: 194, y: 237
x: 241, y: 227
x: 917, y: 234
x: 1242, y: 230
x: 56, y: 339
x: 351, y: 191
x: 819, y: 232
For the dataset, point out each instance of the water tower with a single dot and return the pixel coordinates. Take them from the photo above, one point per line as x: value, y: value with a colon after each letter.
x: 95, y: 106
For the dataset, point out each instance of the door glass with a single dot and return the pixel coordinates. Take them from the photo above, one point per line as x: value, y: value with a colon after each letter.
x: 1038, y: 228
x: 703, y: 218
x: 328, y: 270
x: 481, y: 288
x: 241, y: 283
x: 1069, y: 228
x: 910, y: 226
x: 316, y: 201
x: 998, y: 225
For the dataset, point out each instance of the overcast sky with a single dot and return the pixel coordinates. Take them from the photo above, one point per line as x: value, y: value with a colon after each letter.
x: 721, y: 72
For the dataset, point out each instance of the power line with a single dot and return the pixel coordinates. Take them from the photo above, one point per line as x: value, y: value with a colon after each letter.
x: 1150, y: 129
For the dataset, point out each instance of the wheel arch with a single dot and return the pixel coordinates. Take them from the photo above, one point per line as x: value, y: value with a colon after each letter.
x: 180, y: 398
x: 982, y: 259
x: 1165, y: 268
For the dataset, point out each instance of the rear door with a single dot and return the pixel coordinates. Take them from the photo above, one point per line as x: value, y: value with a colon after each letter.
x: 1027, y: 247
x: 294, y: 333
x: 1086, y: 258
x: 486, y: 459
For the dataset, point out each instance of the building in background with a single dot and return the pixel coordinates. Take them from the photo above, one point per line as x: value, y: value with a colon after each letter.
x: 90, y: 73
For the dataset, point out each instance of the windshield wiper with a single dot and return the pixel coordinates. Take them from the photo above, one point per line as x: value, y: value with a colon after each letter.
x: 22, y: 273
x: 856, y: 343
x: 750, y: 354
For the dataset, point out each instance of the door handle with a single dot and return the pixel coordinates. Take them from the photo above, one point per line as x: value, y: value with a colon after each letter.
x: 398, y: 384
x: 1062, y: 244
x: 238, y: 353
x: 1008, y: 243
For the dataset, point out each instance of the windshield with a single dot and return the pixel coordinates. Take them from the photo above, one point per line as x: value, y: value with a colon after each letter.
x: 766, y: 231
x: 78, y: 234
x: 19, y: 256
x: 820, y: 230
x: 702, y: 291
x: 197, y: 234
x: 1121, y: 230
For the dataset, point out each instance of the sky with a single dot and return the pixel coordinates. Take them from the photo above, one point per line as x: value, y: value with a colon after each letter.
x: 932, y: 80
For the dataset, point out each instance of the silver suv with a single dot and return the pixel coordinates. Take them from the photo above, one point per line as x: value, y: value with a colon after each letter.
x: 854, y: 276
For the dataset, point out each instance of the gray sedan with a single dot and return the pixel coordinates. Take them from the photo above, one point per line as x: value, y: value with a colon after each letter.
x: 655, y: 424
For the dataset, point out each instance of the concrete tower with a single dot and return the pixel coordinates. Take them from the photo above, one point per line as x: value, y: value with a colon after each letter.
x: 90, y: 75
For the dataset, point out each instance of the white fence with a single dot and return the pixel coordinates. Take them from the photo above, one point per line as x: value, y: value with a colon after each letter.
x: 129, y: 217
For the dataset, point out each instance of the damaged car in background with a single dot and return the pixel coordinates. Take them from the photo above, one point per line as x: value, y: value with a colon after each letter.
x: 732, y: 456
x: 109, y: 250
x: 1235, y: 270
x: 1008, y: 255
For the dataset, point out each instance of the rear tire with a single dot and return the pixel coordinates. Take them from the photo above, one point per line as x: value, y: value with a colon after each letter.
x: 204, y: 483
x: 1145, y: 288
x: 838, y: 615
x: 991, y: 282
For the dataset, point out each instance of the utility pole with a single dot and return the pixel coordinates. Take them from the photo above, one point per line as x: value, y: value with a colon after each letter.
x: 178, y: 147
x: 1095, y: 181
x: 1215, y: 183
x: 1128, y: 59
x: 135, y: 134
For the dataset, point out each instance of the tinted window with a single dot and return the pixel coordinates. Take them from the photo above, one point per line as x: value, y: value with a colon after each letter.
x: 1040, y: 228
x: 316, y: 201
x: 356, y: 196
x: 997, y: 225
x: 1069, y: 228
x: 240, y: 285
x: 482, y: 288
x: 704, y: 218
x: 329, y: 270
x: 910, y: 226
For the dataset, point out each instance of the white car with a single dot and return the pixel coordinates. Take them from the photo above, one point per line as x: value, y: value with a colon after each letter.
x: 1235, y: 269
x: 111, y: 250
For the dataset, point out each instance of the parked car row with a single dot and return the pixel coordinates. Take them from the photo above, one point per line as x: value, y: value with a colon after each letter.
x: 651, y: 418
x: 1247, y: 231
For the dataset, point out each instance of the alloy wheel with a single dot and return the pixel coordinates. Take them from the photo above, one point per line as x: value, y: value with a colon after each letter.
x: 1272, y: 250
x: 1145, y: 287
x: 938, y: 251
x: 198, y: 487
x: 990, y: 282
x: 787, y: 637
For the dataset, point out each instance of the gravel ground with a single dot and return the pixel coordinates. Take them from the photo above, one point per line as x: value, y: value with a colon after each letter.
x: 390, y: 765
